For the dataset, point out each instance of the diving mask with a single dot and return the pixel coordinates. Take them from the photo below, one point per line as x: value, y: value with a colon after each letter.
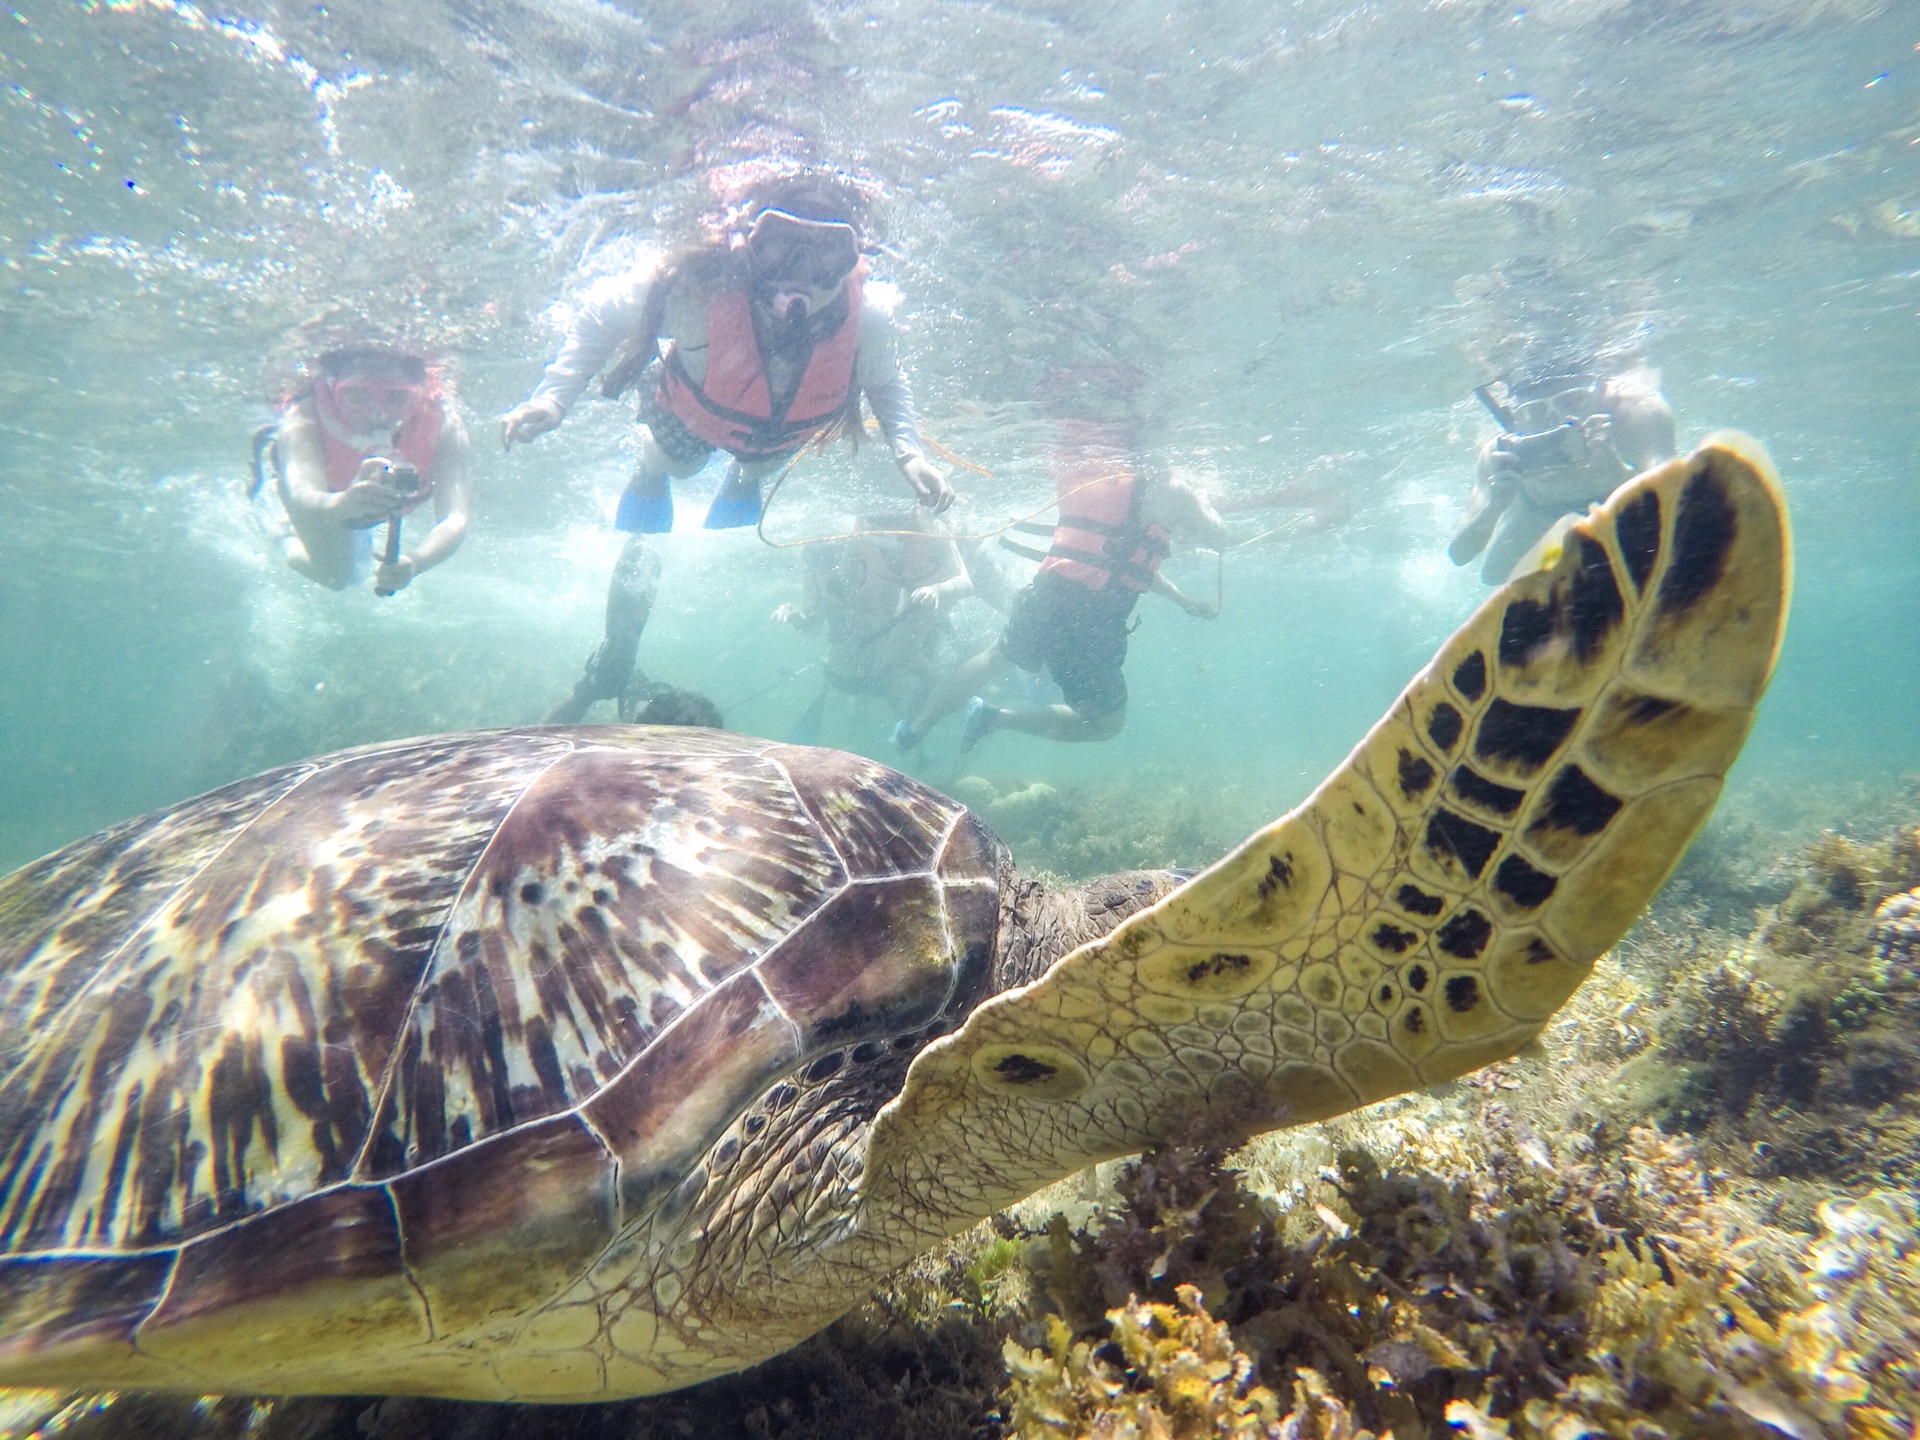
x: 788, y: 252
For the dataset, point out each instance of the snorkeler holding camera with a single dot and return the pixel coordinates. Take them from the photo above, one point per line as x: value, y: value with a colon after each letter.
x: 369, y: 441
x: 1568, y: 437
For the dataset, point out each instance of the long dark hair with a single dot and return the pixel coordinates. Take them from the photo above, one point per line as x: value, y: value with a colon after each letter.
x: 721, y: 262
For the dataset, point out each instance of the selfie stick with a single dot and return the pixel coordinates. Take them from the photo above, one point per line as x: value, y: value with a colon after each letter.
x: 393, y: 522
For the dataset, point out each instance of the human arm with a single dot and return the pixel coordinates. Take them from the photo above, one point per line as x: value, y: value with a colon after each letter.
x: 807, y: 615
x: 958, y: 583
x: 890, y: 396
x: 608, y: 317
x: 373, y: 495
x: 1493, y: 492
x: 1199, y: 609
x: 452, y: 490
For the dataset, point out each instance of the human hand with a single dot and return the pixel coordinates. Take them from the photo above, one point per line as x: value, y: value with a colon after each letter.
x: 387, y: 579
x: 927, y: 597
x: 1596, y: 436
x: 529, y: 419
x: 1503, y: 470
x: 786, y: 615
x: 928, y: 483
x: 1200, y: 609
x: 374, y: 495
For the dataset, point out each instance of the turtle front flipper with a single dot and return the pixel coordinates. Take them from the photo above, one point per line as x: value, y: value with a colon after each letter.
x: 1429, y: 907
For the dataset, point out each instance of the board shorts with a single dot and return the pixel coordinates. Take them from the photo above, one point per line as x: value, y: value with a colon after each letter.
x: 1076, y: 635
x: 677, y: 442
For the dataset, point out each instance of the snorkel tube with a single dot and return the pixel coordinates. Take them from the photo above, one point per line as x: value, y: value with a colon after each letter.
x: 1504, y: 416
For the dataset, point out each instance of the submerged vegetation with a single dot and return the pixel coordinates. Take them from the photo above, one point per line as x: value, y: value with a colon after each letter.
x: 1690, y: 1212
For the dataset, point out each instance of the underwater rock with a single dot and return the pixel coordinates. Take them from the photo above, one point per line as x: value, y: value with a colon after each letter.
x: 1087, y: 829
x: 1019, y: 813
x: 976, y: 792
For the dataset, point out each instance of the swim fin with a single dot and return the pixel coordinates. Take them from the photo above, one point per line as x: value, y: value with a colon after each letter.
x: 648, y: 514
x: 737, y: 504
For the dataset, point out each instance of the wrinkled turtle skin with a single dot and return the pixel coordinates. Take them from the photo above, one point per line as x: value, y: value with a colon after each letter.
x: 568, y: 1064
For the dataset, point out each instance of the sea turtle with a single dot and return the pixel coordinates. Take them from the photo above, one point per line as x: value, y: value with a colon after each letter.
x: 565, y: 1064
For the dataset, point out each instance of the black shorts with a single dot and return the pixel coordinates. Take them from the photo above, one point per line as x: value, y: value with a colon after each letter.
x: 680, y: 445
x: 684, y: 449
x: 1077, y: 635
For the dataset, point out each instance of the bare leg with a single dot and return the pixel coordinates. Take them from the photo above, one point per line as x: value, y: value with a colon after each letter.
x: 1062, y: 722
x: 636, y: 580
x: 965, y: 678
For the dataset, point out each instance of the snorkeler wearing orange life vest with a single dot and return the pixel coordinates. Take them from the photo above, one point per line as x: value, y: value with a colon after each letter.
x: 371, y: 439
x: 771, y: 337
x: 1115, y: 526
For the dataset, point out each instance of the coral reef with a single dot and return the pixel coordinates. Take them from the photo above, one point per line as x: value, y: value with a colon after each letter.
x: 1082, y: 830
x: 1183, y: 1379
x: 1795, y: 1053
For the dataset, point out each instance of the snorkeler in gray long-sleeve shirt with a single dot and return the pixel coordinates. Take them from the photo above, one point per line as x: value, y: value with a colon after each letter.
x: 755, y: 345
x: 614, y: 310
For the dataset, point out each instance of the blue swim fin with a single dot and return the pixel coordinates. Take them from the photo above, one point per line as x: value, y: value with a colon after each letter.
x: 645, y: 514
x: 737, y: 504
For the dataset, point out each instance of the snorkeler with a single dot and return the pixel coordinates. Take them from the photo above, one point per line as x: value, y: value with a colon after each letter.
x: 1115, y: 527
x: 371, y: 438
x: 1568, y: 437
x: 770, y: 337
x: 884, y: 591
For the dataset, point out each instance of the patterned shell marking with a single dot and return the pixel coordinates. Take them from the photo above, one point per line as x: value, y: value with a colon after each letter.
x: 391, y: 1018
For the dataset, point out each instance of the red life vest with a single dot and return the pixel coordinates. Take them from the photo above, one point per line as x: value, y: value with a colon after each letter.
x: 419, y: 441
x: 733, y: 409
x: 1098, y: 537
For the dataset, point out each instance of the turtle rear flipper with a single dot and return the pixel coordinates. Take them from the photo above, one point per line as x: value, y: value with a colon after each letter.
x: 1426, y: 910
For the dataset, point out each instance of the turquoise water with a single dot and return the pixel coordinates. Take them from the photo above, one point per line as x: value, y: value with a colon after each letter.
x: 1289, y: 218
x: 1282, y: 215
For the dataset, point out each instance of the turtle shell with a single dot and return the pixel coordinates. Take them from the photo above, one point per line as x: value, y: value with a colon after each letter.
x: 436, y: 1020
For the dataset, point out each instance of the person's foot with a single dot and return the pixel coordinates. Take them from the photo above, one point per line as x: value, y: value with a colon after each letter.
x: 646, y: 507
x: 605, y: 678
x: 903, y: 737
x: 737, y: 504
x: 982, y: 720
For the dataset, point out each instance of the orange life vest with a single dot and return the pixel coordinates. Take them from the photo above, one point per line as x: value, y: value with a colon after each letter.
x: 1099, y: 537
x: 733, y: 409
x: 419, y: 441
